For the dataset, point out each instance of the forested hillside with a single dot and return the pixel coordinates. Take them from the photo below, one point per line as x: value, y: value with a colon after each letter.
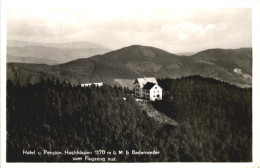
x: 214, y: 121
x: 139, y: 61
x: 215, y: 118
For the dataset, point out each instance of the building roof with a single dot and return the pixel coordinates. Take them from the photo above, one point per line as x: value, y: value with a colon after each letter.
x: 149, y: 85
x: 143, y: 81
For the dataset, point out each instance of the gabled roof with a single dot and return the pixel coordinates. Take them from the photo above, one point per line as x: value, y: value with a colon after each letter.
x: 143, y: 81
x: 149, y: 85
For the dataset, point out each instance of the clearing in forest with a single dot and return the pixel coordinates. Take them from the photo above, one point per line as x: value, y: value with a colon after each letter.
x: 156, y: 115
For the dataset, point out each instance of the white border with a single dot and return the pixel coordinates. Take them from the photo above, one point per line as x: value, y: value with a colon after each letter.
x: 3, y: 82
x: 254, y: 4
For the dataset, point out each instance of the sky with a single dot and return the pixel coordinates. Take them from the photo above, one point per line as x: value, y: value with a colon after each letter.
x: 113, y: 26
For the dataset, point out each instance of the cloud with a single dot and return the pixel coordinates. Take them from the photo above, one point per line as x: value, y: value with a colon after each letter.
x: 171, y: 29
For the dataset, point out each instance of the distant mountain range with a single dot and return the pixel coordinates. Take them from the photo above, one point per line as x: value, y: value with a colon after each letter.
x: 68, y: 45
x: 51, y: 53
x: 20, y: 59
x: 230, y: 65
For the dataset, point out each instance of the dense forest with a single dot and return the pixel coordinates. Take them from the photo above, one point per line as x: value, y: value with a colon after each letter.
x: 214, y: 121
x: 215, y: 118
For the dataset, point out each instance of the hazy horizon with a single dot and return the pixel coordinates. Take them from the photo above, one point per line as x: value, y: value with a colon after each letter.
x: 177, y: 30
x: 189, y: 53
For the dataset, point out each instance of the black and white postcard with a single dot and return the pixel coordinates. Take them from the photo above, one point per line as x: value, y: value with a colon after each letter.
x: 129, y: 82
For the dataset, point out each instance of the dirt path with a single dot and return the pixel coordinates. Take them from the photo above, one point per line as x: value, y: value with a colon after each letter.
x: 156, y: 115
